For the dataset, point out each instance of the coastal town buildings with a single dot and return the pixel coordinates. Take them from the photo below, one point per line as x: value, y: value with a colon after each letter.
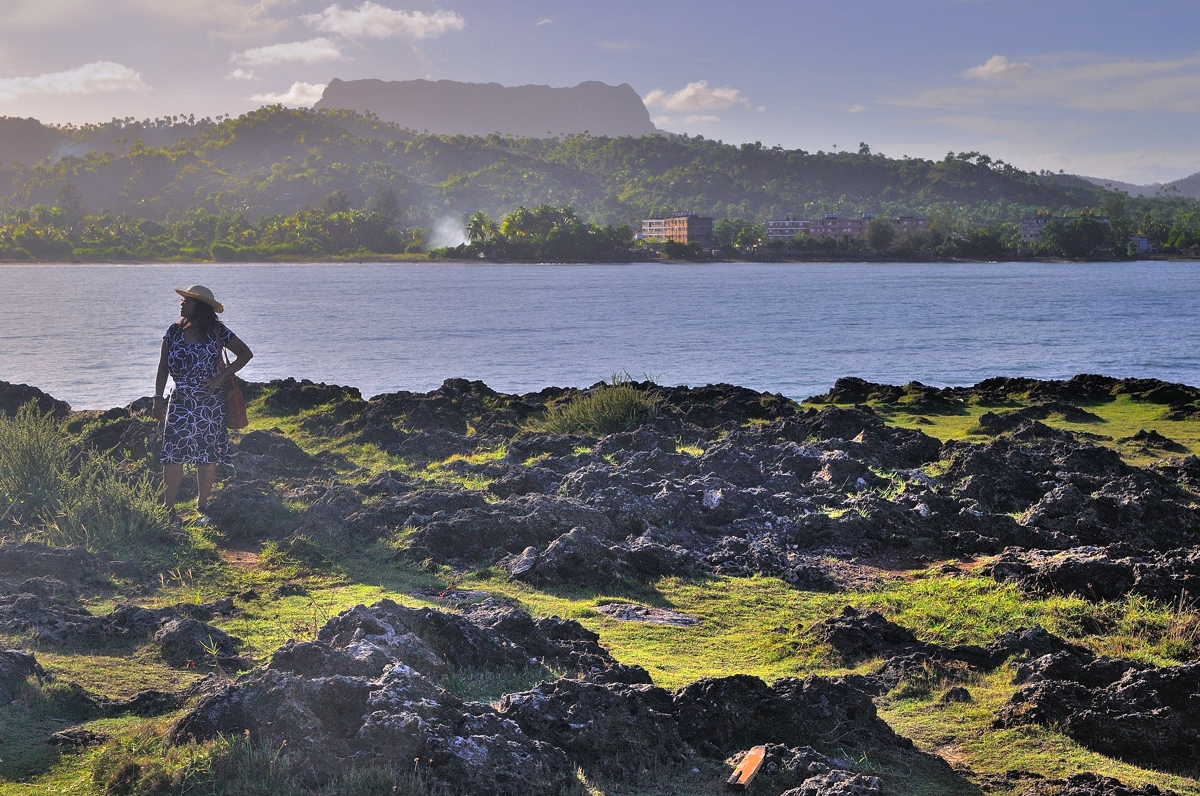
x: 1031, y: 226
x: 831, y: 225
x: 684, y: 228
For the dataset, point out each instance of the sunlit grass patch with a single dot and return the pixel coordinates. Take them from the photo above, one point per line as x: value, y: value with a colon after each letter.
x: 963, y: 733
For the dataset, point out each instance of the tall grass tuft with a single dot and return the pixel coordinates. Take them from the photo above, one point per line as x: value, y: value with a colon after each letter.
x: 34, y: 464
x: 618, y: 406
x: 50, y: 494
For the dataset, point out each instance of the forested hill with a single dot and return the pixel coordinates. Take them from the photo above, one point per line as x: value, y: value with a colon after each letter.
x: 277, y: 161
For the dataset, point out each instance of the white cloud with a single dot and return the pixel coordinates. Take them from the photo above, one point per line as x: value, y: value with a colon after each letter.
x: 298, y: 94
x: 379, y: 22
x: 694, y: 119
x: 87, y: 79
x: 856, y: 109
x: 241, y: 74
x: 312, y: 51
x: 544, y: 21
x: 997, y: 68
x: 1079, y: 82
x: 696, y: 97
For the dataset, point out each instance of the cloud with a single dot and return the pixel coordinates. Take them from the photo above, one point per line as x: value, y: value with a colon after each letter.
x: 997, y: 68
x: 694, y: 119
x: 241, y: 74
x: 696, y: 97
x: 298, y: 94
x: 90, y: 78
x: 1075, y: 81
x: 231, y: 19
x: 380, y: 22
x: 312, y: 51
x: 856, y: 109
x: 544, y: 21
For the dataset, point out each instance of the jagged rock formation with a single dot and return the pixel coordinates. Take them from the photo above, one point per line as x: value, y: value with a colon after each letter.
x: 365, y: 693
x: 775, y: 488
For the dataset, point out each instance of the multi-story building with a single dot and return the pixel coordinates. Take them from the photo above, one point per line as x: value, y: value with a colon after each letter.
x: 786, y: 228
x: 685, y: 228
x: 1031, y: 226
x: 831, y: 225
x: 906, y: 224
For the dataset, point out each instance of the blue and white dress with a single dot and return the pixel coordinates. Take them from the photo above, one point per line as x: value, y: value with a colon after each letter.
x: 195, y: 429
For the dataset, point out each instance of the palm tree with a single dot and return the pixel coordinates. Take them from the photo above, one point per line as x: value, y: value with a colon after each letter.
x: 480, y: 227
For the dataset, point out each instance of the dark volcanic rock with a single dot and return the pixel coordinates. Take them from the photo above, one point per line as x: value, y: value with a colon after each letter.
x: 49, y: 622
x: 271, y: 455
x: 856, y: 636
x: 323, y: 724
x: 838, y: 782
x: 251, y: 510
x: 785, y: 767
x: 183, y: 641
x: 1102, y: 573
x: 15, y: 668
x: 77, y: 737
x: 1150, y: 716
x: 718, y: 716
x: 14, y: 396
x: 1089, y: 784
x: 288, y: 396
x: 613, y: 730
x: 475, y: 535
x: 72, y: 565
x: 577, y: 557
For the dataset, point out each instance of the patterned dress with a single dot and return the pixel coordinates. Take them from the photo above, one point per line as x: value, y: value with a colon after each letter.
x: 195, y: 429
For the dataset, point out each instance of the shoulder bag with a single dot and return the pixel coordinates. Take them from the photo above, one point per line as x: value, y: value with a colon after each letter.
x: 235, y: 403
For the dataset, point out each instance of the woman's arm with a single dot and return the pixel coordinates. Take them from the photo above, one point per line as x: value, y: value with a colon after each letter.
x: 160, y: 384
x: 243, y: 355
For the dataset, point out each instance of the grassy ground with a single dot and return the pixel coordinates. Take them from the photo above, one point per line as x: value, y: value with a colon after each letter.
x: 1117, y: 419
x: 758, y: 626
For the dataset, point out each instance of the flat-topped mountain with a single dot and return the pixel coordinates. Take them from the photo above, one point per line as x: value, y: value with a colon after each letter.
x: 453, y: 108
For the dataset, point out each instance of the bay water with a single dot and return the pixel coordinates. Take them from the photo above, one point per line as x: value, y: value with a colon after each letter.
x: 90, y: 334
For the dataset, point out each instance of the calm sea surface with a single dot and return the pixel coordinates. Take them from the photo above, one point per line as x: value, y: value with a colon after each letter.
x: 90, y: 334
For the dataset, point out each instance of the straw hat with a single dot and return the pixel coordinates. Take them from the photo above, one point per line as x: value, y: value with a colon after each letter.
x: 201, y: 293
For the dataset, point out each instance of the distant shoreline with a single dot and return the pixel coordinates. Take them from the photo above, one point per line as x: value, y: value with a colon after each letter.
x: 422, y: 260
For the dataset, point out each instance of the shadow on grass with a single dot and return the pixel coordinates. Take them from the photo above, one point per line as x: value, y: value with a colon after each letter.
x: 376, y: 564
x: 630, y: 591
x: 26, y: 723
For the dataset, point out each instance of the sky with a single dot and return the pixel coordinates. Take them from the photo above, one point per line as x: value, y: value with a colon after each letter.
x: 1102, y: 88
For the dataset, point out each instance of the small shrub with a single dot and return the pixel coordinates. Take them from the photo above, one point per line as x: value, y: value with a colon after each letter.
x: 618, y: 406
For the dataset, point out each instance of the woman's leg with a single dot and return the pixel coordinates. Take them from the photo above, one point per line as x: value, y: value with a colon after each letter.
x: 172, y: 478
x: 205, y: 475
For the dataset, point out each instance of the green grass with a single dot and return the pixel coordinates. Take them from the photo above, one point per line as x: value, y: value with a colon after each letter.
x: 1120, y: 417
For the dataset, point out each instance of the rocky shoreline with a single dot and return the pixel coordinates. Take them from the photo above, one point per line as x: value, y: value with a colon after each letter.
x: 722, y: 482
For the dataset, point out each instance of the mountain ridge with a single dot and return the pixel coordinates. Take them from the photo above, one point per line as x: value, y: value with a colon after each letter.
x: 450, y: 107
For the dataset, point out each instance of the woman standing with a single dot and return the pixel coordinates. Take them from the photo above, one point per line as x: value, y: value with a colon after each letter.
x: 195, y: 416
